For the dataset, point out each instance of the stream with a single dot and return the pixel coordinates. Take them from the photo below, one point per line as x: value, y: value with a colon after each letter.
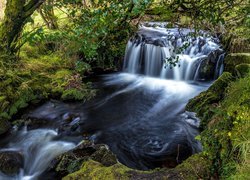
x: 138, y: 113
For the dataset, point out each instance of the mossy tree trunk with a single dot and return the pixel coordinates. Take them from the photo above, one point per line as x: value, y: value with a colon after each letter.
x: 16, y: 14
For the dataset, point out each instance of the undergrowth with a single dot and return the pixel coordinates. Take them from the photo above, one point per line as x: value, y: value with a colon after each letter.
x: 39, y: 75
x: 226, y: 138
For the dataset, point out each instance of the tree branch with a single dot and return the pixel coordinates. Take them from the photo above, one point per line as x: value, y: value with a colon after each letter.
x: 31, y: 7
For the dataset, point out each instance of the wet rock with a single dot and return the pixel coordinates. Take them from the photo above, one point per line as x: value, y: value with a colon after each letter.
x: 234, y: 59
x: 72, y: 160
x: 242, y: 70
x: 4, y: 126
x: 11, y: 162
x: 208, y: 65
x: 66, y: 117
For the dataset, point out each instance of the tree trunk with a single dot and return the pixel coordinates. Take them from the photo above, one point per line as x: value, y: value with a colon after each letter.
x: 2, y: 7
x: 16, y: 14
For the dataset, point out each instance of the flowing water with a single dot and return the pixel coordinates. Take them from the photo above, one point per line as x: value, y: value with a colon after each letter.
x: 140, y: 112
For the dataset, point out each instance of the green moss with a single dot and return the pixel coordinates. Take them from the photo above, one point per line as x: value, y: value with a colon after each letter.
x: 242, y: 70
x: 205, y: 103
x: 234, y: 59
x: 94, y: 170
x: 104, y: 156
x: 195, y: 167
x: 226, y: 136
x: 37, y: 77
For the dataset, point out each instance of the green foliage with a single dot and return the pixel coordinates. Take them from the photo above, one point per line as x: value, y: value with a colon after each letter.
x: 96, y: 34
x: 226, y: 136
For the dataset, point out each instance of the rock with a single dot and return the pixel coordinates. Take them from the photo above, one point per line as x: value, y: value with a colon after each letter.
x: 242, y: 70
x: 4, y: 126
x: 11, y: 162
x: 95, y: 170
x: 66, y: 117
x: 72, y: 160
x: 104, y: 156
x: 208, y: 99
x: 195, y: 167
x: 234, y: 59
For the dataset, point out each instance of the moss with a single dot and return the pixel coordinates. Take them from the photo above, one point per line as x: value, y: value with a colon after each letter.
x: 37, y: 77
x: 242, y: 70
x: 104, y: 156
x: 234, y: 59
x: 195, y: 167
x: 95, y: 170
x: 226, y: 137
x: 205, y: 103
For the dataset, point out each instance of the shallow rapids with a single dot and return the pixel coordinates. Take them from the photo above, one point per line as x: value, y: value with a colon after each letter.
x: 37, y: 148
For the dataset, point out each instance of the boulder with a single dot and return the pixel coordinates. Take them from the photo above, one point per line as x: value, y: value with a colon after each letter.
x: 242, y: 70
x: 73, y: 160
x: 11, y: 162
x: 205, y: 101
x: 234, y: 59
x: 195, y: 167
x: 4, y: 126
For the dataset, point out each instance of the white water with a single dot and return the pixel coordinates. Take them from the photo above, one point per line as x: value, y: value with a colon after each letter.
x: 142, y: 57
x: 38, y: 148
x: 144, y: 119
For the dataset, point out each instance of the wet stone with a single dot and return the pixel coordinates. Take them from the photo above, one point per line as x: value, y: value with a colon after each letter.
x: 11, y: 162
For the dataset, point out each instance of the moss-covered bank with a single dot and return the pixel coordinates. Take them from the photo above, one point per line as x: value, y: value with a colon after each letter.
x: 193, y: 168
x: 235, y: 59
x: 224, y: 110
x: 39, y: 75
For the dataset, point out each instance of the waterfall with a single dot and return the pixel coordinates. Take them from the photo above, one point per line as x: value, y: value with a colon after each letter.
x: 141, y: 118
x: 38, y: 148
x: 197, y: 57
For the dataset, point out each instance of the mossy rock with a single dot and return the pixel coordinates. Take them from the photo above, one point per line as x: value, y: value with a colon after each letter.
x: 204, y: 103
x: 242, y: 70
x: 104, y: 156
x: 4, y: 126
x: 95, y: 170
x: 234, y: 59
x: 195, y: 167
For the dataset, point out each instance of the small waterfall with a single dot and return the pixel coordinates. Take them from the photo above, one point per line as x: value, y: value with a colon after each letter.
x: 37, y: 148
x: 197, y: 58
x: 142, y: 119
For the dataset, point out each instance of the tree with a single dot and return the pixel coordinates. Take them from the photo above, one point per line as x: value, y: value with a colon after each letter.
x: 47, y: 13
x: 16, y: 14
x: 2, y: 7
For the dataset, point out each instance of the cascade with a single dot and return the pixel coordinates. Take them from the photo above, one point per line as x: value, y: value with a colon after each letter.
x: 152, y: 49
x: 140, y: 113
